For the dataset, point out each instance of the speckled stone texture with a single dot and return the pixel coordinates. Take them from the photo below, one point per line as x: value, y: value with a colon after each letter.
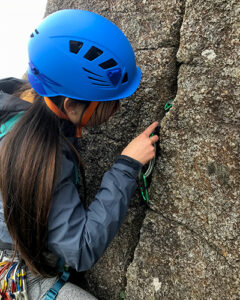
x: 188, y: 245
x: 173, y: 262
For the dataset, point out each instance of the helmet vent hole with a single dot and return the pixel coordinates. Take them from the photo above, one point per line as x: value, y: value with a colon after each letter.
x: 75, y: 46
x: 93, y: 53
x: 108, y: 64
x: 37, y: 32
x: 32, y: 35
x: 125, y: 78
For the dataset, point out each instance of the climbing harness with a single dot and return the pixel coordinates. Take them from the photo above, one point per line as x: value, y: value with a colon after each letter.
x: 14, y: 280
x: 143, y: 175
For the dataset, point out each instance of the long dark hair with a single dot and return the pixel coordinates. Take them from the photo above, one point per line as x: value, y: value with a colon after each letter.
x: 30, y: 162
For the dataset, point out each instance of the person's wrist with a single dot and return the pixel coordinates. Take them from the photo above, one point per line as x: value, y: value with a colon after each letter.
x: 127, y: 160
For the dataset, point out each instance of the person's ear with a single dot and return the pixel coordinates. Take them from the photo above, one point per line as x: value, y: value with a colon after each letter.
x: 69, y: 106
x: 73, y: 110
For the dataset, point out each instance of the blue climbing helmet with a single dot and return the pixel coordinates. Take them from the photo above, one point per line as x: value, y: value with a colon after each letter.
x: 81, y: 55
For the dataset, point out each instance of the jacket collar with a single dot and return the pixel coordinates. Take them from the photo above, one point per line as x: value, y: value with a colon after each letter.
x: 8, y: 102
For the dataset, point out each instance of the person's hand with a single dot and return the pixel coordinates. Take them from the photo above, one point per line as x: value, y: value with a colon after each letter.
x: 142, y: 147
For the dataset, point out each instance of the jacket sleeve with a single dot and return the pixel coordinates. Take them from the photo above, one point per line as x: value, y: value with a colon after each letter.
x: 81, y: 236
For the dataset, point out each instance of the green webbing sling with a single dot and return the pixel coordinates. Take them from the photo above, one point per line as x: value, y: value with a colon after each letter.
x: 143, y: 184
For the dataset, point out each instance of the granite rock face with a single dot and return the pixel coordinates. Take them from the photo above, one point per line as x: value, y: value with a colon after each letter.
x: 173, y: 262
x: 186, y: 245
x: 195, y: 188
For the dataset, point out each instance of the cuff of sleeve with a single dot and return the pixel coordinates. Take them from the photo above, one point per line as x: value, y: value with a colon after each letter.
x: 130, y: 162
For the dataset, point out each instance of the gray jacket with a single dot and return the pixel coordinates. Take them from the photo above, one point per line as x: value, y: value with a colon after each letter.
x: 80, y: 236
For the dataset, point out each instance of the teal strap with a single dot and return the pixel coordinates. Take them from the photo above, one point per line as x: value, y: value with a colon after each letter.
x: 6, y: 127
x: 61, y: 265
x: 53, y: 292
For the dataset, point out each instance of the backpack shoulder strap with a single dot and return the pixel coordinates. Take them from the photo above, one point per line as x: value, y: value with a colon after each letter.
x: 54, y: 290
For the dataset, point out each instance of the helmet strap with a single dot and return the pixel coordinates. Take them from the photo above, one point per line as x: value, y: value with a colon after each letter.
x: 53, y: 107
x: 86, y: 117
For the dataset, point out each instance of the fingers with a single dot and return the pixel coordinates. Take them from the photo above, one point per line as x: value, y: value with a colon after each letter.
x: 154, y: 139
x: 142, y: 147
x: 150, y: 128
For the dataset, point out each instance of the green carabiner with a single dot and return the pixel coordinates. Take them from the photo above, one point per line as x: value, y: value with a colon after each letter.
x: 168, y: 105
